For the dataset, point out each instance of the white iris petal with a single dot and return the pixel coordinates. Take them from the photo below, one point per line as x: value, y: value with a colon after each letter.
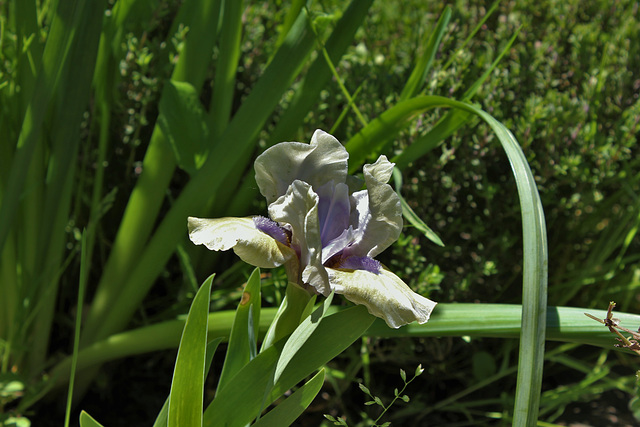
x: 250, y: 244
x: 317, y: 163
x: 384, y: 294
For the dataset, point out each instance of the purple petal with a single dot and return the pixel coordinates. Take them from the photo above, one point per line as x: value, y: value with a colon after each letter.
x: 360, y: 263
x: 333, y: 210
x: 271, y: 228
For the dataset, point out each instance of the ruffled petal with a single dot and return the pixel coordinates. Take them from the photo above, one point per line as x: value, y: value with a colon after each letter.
x: 298, y: 208
x: 384, y: 294
x: 248, y: 242
x: 376, y: 212
x: 321, y: 161
x: 381, y: 170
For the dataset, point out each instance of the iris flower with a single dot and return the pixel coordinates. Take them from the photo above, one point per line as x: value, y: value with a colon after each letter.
x: 323, y: 227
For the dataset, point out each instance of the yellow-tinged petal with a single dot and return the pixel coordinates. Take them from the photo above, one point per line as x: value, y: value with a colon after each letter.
x: 384, y: 294
x: 248, y: 242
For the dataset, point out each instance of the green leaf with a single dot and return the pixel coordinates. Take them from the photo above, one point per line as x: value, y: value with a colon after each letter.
x: 451, y: 122
x: 289, y: 314
x: 17, y: 422
x: 161, y: 419
x: 139, y: 219
x: 76, y: 341
x: 634, y: 403
x: 300, y: 336
x: 290, y: 409
x: 68, y: 58
x: 87, y: 420
x: 364, y: 389
x: 224, y: 86
x: 319, y: 73
x: 240, y: 343
x: 431, y: 45
x: 240, y: 400
x: 323, y: 345
x: 183, y: 123
x: 534, y: 236
x: 411, y: 216
x: 185, y: 399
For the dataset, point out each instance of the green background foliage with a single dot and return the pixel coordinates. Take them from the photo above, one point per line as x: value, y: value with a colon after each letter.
x: 568, y: 89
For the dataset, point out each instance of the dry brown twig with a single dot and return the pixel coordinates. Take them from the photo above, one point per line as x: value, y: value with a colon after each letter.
x: 632, y: 343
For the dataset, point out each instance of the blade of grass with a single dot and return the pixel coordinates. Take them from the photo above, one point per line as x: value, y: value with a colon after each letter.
x: 336, y: 75
x: 410, y: 215
x: 105, y: 79
x: 226, y: 67
x: 29, y: 60
x: 293, y: 406
x: 212, y: 346
x: 296, y: 340
x: 239, y: 348
x: 425, y: 59
x: 294, y: 306
x: 76, y: 340
x: 240, y: 401
x: 87, y: 420
x: 472, y: 34
x: 323, y: 345
x: 185, y: 399
x: 300, y: 336
x: 158, y: 166
x: 10, y: 289
x: 293, y: 12
x: 63, y: 129
x: 55, y: 58
x: 451, y: 122
x: 319, y: 72
x: 534, y: 237
x: 313, y: 83
x: 564, y: 324
x: 161, y: 336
